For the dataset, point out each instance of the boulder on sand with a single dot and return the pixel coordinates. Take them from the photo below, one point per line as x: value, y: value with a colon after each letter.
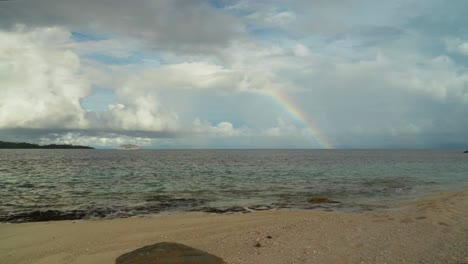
x: 168, y: 253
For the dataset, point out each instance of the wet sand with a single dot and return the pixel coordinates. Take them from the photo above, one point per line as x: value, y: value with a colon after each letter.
x: 430, y: 230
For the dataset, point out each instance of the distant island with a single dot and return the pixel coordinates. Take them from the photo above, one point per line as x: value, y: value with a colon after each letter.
x: 466, y: 151
x: 23, y: 145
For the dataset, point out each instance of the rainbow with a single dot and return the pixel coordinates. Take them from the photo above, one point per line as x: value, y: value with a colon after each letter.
x: 296, y: 113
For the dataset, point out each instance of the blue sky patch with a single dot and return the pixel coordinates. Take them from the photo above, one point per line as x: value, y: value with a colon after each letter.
x: 80, y: 36
x: 133, y: 57
x: 99, y: 100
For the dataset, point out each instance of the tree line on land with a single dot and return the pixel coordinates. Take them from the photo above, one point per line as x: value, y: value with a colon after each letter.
x: 24, y: 145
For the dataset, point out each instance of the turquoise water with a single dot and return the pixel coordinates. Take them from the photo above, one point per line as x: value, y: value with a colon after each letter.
x: 110, y: 183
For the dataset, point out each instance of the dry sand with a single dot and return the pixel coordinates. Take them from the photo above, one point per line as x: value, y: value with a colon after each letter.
x: 430, y: 230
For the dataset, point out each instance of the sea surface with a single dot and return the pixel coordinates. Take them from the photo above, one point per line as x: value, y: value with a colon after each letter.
x: 38, y: 185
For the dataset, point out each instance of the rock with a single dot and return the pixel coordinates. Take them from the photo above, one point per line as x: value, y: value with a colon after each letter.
x: 283, y: 205
x: 466, y: 151
x: 234, y: 209
x: 321, y: 200
x: 257, y: 244
x: 168, y: 253
x: 48, y: 215
x: 269, y: 237
x: 165, y: 202
x: 260, y: 207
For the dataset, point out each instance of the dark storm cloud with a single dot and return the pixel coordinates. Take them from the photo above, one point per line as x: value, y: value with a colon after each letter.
x: 440, y: 18
x: 174, y: 25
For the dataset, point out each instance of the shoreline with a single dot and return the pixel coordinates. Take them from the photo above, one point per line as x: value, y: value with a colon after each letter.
x: 170, y: 206
x: 433, y: 229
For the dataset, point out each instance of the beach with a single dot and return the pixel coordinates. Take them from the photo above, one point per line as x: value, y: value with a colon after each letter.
x: 432, y: 229
x: 214, y: 132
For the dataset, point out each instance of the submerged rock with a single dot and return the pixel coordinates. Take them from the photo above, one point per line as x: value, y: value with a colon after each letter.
x: 166, y: 253
x: 233, y: 209
x: 48, y: 215
x: 321, y: 200
x: 283, y: 205
x: 260, y: 207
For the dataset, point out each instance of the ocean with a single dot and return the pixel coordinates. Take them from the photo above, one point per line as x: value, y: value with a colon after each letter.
x: 39, y: 185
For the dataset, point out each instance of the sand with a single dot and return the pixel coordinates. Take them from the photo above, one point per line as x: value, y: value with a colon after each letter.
x: 430, y: 230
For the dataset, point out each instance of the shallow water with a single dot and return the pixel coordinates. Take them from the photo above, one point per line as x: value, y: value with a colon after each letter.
x: 108, y: 183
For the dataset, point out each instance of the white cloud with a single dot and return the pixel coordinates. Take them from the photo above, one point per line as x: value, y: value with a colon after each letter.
x: 222, y: 129
x: 244, y: 66
x: 109, y: 140
x: 43, y: 80
x: 41, y: 83
x: 272, y: 18
x: 438, y: 77
x: 457, y: 45
x: 282, y: 129
x: 115, y: 47
x: 301, y: 50
x: 199, y: 75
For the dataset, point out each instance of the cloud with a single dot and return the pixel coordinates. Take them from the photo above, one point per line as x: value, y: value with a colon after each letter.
x: 189, y: 26
x: 41, y: 82
x: 301, y: 51
x: 223, y: 129
x: 103, y: 140
x: 198, y: 75
x: 136, y: 109
x: 181, y: 72
x: 271, y: 18
x: 457, y: 45
x: 282, y: 129
x: 439, y: 77
x: 293, y: 17
x: 246, y: 66
x: 387, y: 97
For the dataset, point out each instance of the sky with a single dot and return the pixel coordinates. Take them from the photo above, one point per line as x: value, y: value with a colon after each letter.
x: 235, y: 74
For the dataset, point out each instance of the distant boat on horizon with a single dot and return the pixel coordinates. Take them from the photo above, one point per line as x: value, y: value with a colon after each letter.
x: 130, y: 147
